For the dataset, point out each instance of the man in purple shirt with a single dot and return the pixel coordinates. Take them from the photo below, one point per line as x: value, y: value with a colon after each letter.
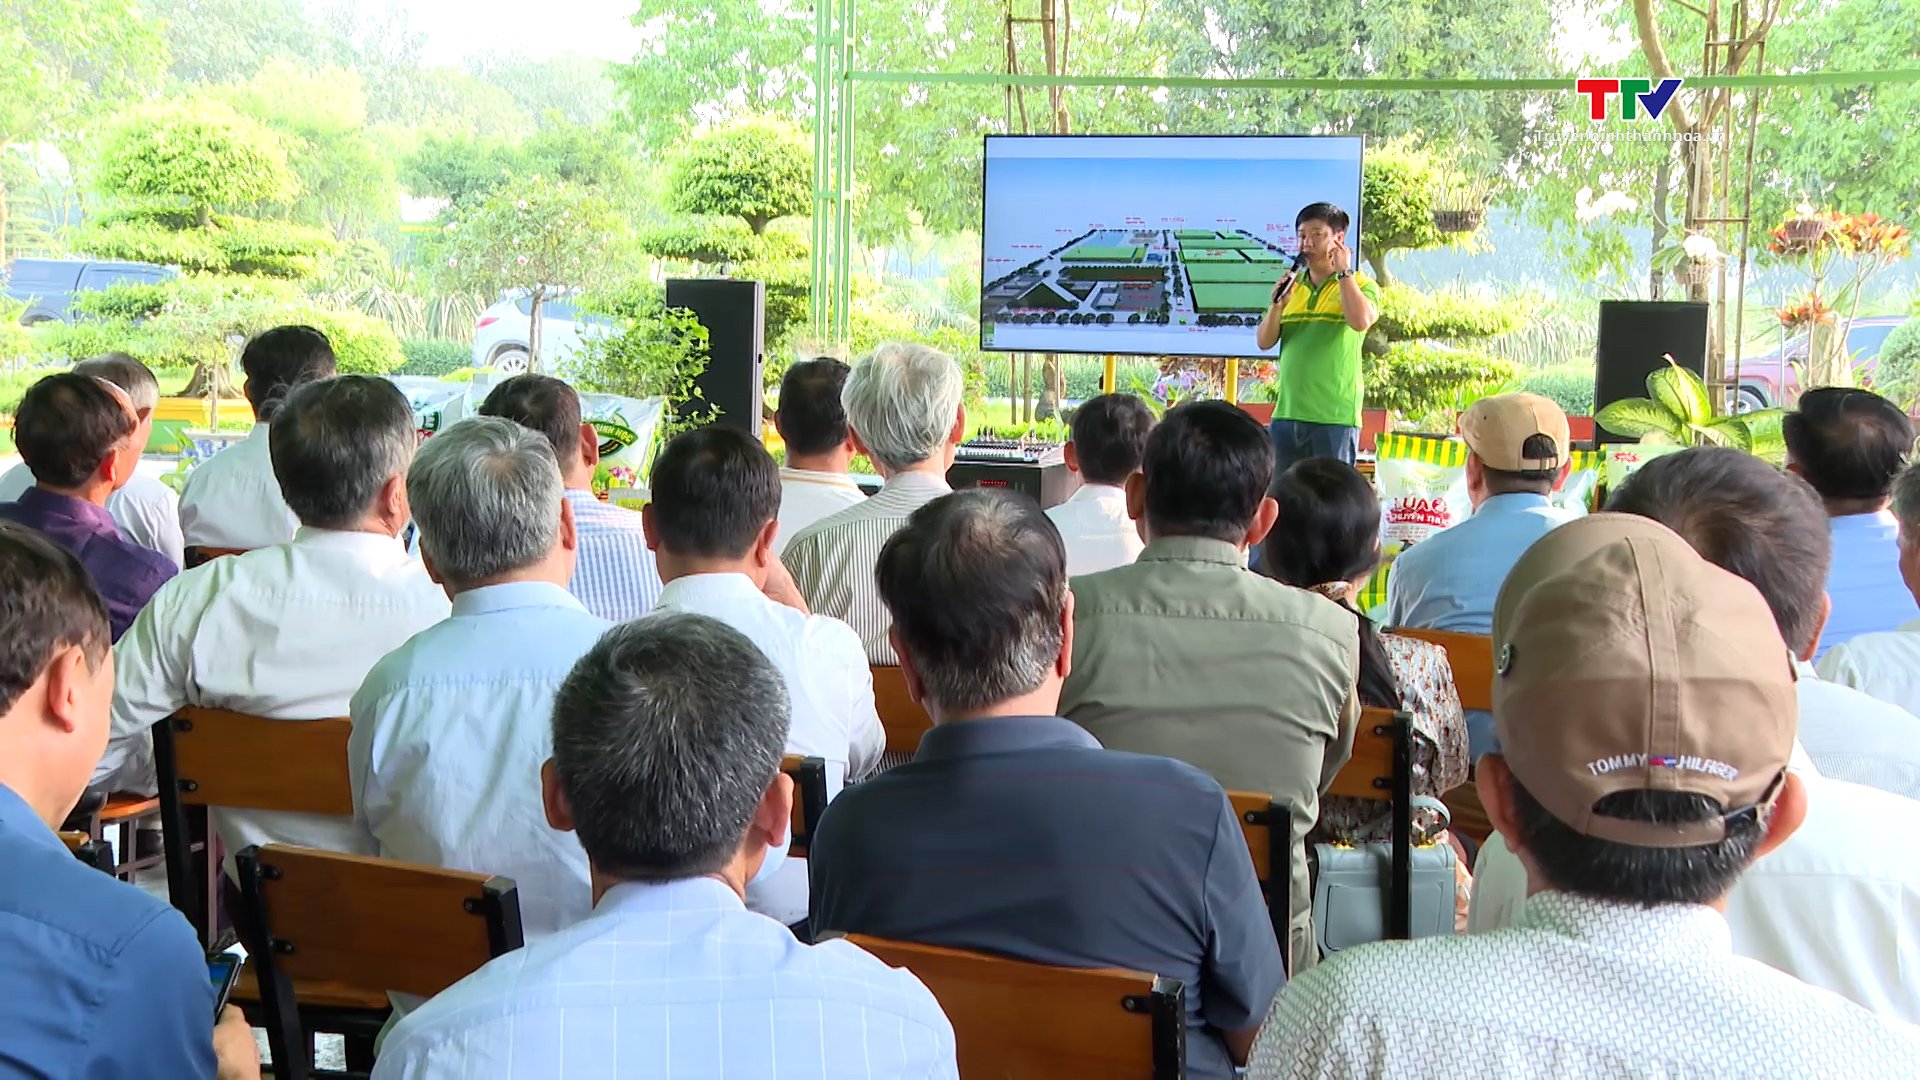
x: 76, y: 434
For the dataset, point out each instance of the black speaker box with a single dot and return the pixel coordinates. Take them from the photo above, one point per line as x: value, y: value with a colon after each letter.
x: 1636, y: 336
x: 735, y: 315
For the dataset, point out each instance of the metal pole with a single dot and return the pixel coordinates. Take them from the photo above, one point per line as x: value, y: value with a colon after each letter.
x: 843, y: 249
x: 822, y: 113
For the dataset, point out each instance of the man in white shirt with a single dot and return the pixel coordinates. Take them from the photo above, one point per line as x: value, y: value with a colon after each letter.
x: 450, y: 729
x: 813, y: 425
x: 711, y: 523
x: 146, y: 510
x: 667, y: 740
x: 1850, y: 444
x: 1644, y: 702
x: 1758, y: 523
x: 1109, y: 439
x: 1886, y: 664
x: 288, y: 631
x: 233, y: 500
x: 613, y: 573
x: 904, y: 405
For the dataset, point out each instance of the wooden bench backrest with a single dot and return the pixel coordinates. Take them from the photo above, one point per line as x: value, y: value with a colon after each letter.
x: 809, y: 799
x: 236, y: 761
x: 378, y: 925
x: 1368, y: 774
x: 1471, y: 658
x: 900, y: 716
x: 200, y: 555
x: 1016, y: 1020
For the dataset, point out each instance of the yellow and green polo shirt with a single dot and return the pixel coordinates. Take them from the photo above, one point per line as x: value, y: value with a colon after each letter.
x: 1319, y: 377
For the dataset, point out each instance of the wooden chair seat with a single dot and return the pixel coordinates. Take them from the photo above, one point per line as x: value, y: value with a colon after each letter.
x: 121, y: 806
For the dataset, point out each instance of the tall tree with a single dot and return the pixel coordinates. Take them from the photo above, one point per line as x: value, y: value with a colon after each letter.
x: 221, y: 41
x: 346, y: 183
x: 573, y: 88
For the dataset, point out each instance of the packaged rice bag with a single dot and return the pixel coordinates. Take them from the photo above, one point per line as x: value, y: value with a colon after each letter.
x: 1624, y: 461
x: 1422, y: 484
x: 436, y: 403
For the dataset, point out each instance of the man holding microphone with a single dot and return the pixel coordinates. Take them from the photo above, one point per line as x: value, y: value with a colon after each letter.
x: 1319, y: 318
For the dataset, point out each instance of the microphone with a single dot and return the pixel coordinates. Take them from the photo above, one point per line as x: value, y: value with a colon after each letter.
x: 1299, y: 263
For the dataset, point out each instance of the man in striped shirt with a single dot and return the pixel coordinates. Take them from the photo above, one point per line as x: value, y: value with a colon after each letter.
x: 904, y: 405
x: 614, y: 577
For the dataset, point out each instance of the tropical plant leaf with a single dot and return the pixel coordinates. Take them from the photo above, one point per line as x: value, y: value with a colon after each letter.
x: 1727, y: 431
x: 1636, y: 417
x: 1681, y: 393
x: 1767, y: 440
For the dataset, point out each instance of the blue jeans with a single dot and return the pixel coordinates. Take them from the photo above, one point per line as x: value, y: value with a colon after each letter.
x: 1298, y: 440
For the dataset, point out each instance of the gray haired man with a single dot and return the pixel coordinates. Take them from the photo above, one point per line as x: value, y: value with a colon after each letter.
x: 904, y: 406
x: 667, y: 740
x: 450, y: 729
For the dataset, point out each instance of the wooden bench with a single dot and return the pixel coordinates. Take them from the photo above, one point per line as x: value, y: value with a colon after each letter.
x: 1019, y: 1021
x: 353, y: 925
x: 1471, y: 658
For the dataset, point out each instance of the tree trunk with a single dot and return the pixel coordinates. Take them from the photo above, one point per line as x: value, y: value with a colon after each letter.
x: 204, y: 375
x: 3, y: 221
x: 535, y: 317
x: 1662, y: 192
x: 1052, y: 388
x: 203, y: 216
x: 1378, y: 260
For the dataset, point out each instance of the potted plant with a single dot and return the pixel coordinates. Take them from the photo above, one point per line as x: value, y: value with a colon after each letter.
x: 1678, y: 411
x: 1460, y: 203
x: 1861, y: 246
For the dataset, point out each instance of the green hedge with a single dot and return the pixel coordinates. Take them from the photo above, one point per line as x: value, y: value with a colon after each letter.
x: 1896, y: 374
x: 1570, y: 386
x: 1408, y: 314
x: 1416, y: 380
x: 720, y: 241
x: 434, y: 357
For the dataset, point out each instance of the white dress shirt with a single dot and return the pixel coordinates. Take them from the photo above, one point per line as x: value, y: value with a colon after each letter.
x: 832, y: 560
x: 613, y: 573
x: 830, y: 688
x: 806, y: 496
x: 1098, y: 533
x: 676, y: 980
x: 1857, y: 736
x: 449, y: 733
x: 1576, y: 988
x: 1837, y: 906
x: 232, y: 499
x: 288, y: 632
x: 146, y: 510
x: 1884, y: 664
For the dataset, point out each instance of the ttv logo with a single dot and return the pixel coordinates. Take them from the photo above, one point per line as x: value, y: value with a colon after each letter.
x: 1635, y: 94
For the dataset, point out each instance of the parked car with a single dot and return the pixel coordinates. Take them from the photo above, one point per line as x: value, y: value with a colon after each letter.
x: 500, y: 338
x: 48, y: 285
x: 1769, y: 379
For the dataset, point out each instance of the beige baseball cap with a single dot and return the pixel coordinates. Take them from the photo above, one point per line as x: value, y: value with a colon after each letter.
x: 1497, y: 429
x: 1624, y: 661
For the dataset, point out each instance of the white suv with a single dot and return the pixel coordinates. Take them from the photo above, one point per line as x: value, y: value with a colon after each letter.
x: 500, y: 337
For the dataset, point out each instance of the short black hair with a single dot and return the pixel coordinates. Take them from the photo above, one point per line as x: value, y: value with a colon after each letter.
x: 1629, y: 874
x: 977, y: 584
x: 335, y: 442
x: 811, y: 419
x: 278, y: 360
x: 1536, y: 447
x: 68, y: 424
x: 47, y: 603
x: 713, y: 489
x: 1334, y: 217
x: 1110, y: 437
x: 1748, y: 518
x: 1849, y: 444
x: 544, y: 404
x: 1207, y: 466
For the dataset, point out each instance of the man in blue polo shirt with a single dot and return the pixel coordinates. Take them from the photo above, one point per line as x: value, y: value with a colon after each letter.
x: 1012, y: 832
x: 97, y: 978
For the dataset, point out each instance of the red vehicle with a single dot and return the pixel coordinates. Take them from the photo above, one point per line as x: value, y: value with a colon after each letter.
x: 1769, y: 379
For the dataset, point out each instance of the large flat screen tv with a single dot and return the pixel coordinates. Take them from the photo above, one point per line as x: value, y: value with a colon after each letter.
x: 1148, y: 245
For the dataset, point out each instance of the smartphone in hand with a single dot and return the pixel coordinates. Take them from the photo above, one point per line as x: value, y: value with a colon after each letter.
x: 223, y: 969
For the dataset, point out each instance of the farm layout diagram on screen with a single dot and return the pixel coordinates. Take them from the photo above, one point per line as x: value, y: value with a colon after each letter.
x: 1134, y: 275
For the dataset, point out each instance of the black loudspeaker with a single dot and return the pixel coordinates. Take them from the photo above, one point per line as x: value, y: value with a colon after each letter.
x: 735, y: 315
x: 1636, y: 337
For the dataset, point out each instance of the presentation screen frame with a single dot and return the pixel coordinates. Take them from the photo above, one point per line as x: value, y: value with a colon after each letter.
x: 1214, y: 342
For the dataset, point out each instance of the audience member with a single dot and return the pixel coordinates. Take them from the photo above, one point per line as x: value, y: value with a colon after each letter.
x: 1326, y: 540
x: 233, y: 500
x: 1824, y: 907
x: 904, y: 406
x: 813, y: 424
x: 712, y: 523
x: 1109, y: 437
x: 613, y: 573
x: 667, y: 740
x: 1012, y: 832
x: 1758, y: 523
x: 102, y: 979
x: 288, y: 631
x: 1850, y: 444
x: 1189, y: 654
x: 79, y: 436
x: 449, y: 730
x: 1645, y: 707
x: 1518, y: 453
x: 146, y: 509
x: 1886, y: 663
